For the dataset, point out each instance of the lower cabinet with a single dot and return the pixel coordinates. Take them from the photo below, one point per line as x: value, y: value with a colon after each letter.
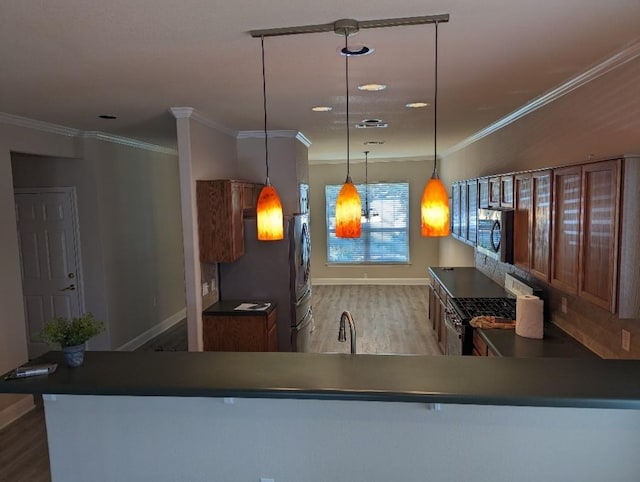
x: 437, y: 310
x: 253, y: 331
x: 480, y: 348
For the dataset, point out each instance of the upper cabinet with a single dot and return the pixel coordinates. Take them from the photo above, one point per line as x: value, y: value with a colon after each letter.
x: 599, y: 241
x: 221, y: 206
x: 569, y: 229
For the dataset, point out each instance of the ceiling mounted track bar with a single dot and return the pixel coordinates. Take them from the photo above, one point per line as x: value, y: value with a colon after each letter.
x: 353, y: 26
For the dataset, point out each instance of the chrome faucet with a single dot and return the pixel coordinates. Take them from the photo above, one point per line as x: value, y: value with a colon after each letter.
x: 342, y: 336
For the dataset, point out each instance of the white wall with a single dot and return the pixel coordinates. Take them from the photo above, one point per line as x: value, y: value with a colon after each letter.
x: 424, y: 252
x: 131, y: 242
x: 204, y: 439
x: 13, y: 343
x: 204, y: 153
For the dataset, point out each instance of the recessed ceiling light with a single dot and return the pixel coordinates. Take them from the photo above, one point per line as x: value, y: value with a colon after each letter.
x: 416, y: 105
x: 321, y: 108
x: 107, y: 116
x: 372, y: 87
x: 373, y: 143
x: 356, y: 51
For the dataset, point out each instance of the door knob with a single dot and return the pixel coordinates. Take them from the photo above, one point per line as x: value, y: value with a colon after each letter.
x: 71, y: 287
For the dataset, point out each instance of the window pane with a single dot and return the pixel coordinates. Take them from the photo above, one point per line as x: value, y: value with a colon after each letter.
x: 385, y: 225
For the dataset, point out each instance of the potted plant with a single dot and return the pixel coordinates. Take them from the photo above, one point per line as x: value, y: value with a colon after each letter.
x: 71, y: 335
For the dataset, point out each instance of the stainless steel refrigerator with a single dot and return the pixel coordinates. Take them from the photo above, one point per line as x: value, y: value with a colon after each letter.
x: 278, y: 271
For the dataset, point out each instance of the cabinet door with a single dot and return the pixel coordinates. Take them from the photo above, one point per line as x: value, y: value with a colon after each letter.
x: 483, y: 193
x: 464, y: 211
x: 506, y: 191
x: 455, y: 205
x: 599, y: 247
x: 542, y: 195
x: 523, y: 202
x: 472, y: 228
x: 566, y: 228
x: 495, y: 188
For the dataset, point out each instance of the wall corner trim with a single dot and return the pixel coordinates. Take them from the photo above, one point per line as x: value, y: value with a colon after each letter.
x: 191, y: 113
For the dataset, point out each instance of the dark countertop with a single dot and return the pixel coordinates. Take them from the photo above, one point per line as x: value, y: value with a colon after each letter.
x: 467, y: 283
x: 227, y: 307
x: 544, y: 382
x: 556, y: 343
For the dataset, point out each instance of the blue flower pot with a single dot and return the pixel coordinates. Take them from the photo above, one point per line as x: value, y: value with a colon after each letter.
x: 74, y: 355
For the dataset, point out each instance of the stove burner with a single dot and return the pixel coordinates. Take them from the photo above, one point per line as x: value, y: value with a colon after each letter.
x: 469, y: 308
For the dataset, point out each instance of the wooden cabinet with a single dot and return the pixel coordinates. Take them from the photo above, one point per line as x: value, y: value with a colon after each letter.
x: 506, y: 191
x: 253, y: 331
x: 483, y: 193
x: 523, y: 202
x: 598, y: 258
x: 566, y: 228
x: 472, y: 223
x: 495, y: 191
x: 437, y: 309
x: 480, y: 347
x: 532, y: 194
x: 464, y: 215
x: 221, y: 206
x: 541, y: 197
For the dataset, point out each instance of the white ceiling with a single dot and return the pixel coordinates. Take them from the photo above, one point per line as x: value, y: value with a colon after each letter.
x: 68, y: 61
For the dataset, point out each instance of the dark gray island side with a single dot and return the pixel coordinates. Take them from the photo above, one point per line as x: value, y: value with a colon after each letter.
x: 543, y: 382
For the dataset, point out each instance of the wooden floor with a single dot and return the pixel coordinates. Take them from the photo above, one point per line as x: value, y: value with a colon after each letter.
x: 389, y: 319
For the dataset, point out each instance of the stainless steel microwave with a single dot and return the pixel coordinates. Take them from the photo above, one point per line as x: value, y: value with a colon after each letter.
x: 495, y: 234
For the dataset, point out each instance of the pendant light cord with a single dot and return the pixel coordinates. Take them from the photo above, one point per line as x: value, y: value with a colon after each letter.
x: 346, y: 75
x: 366, y: 184
x: 264, y: 104
x: 435, y: 111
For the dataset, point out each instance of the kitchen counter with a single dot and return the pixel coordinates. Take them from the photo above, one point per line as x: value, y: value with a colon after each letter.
x: 543, y: 382
x: 227, y: 307
x: 556, y: 343
x: 467, y: 283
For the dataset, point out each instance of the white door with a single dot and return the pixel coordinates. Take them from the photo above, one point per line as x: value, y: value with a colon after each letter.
x: 49, y: 258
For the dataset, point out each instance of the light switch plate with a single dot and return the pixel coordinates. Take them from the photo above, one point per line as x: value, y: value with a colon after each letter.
x: 626, y: 340
x: 205, y: 289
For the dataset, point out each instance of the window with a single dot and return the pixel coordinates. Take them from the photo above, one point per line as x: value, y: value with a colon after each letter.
x: 385, y: 232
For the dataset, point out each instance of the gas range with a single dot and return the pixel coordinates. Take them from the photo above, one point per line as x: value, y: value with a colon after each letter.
x: 468, y: 308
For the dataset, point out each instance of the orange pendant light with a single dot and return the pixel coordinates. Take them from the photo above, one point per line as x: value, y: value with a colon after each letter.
x: 348, y: 205
x: 269, y: 213
x: 435, y: 200
x: 269, y: 207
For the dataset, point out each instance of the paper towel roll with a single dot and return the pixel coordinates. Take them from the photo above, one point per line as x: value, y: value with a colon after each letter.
x: 529, y: 316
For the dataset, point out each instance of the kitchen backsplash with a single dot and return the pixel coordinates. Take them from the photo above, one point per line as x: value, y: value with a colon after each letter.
x: 592, y: 326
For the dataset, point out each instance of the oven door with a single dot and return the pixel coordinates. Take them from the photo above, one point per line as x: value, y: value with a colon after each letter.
x: 454, y: 333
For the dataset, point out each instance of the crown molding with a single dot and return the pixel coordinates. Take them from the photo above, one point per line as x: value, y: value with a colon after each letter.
x: 125, y: 141
x: 48, y: 127
x: 299, y: 136
x: 191, y: 113
x: 620, y: 58
x: 37, y: 125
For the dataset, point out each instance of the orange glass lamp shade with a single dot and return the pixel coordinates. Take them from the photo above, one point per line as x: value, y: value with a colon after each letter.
x: 348, y: 212
x: 269, y: 214
x: 435, y: 209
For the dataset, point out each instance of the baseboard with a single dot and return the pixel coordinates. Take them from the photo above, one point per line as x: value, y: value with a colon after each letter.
x: 369, y: 281
x: 16, y: 410
x: 151, y: 333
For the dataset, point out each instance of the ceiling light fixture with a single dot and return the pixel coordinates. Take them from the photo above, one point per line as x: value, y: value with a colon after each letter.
x: 321, y: 108
x: 435, y: 201
x: 348, y: 205
x: 372, y: 87
x: 269, y: 207
x: 373, y: 143
x: 108, y: 116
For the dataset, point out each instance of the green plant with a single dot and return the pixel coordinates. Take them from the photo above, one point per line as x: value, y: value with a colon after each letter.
x: 65, y: 332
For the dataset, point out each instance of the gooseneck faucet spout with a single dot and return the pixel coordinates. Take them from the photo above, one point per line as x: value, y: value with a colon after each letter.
x: 342, y: 336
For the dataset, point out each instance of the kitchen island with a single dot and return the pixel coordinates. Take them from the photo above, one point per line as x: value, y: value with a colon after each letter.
x: 289, y: 416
